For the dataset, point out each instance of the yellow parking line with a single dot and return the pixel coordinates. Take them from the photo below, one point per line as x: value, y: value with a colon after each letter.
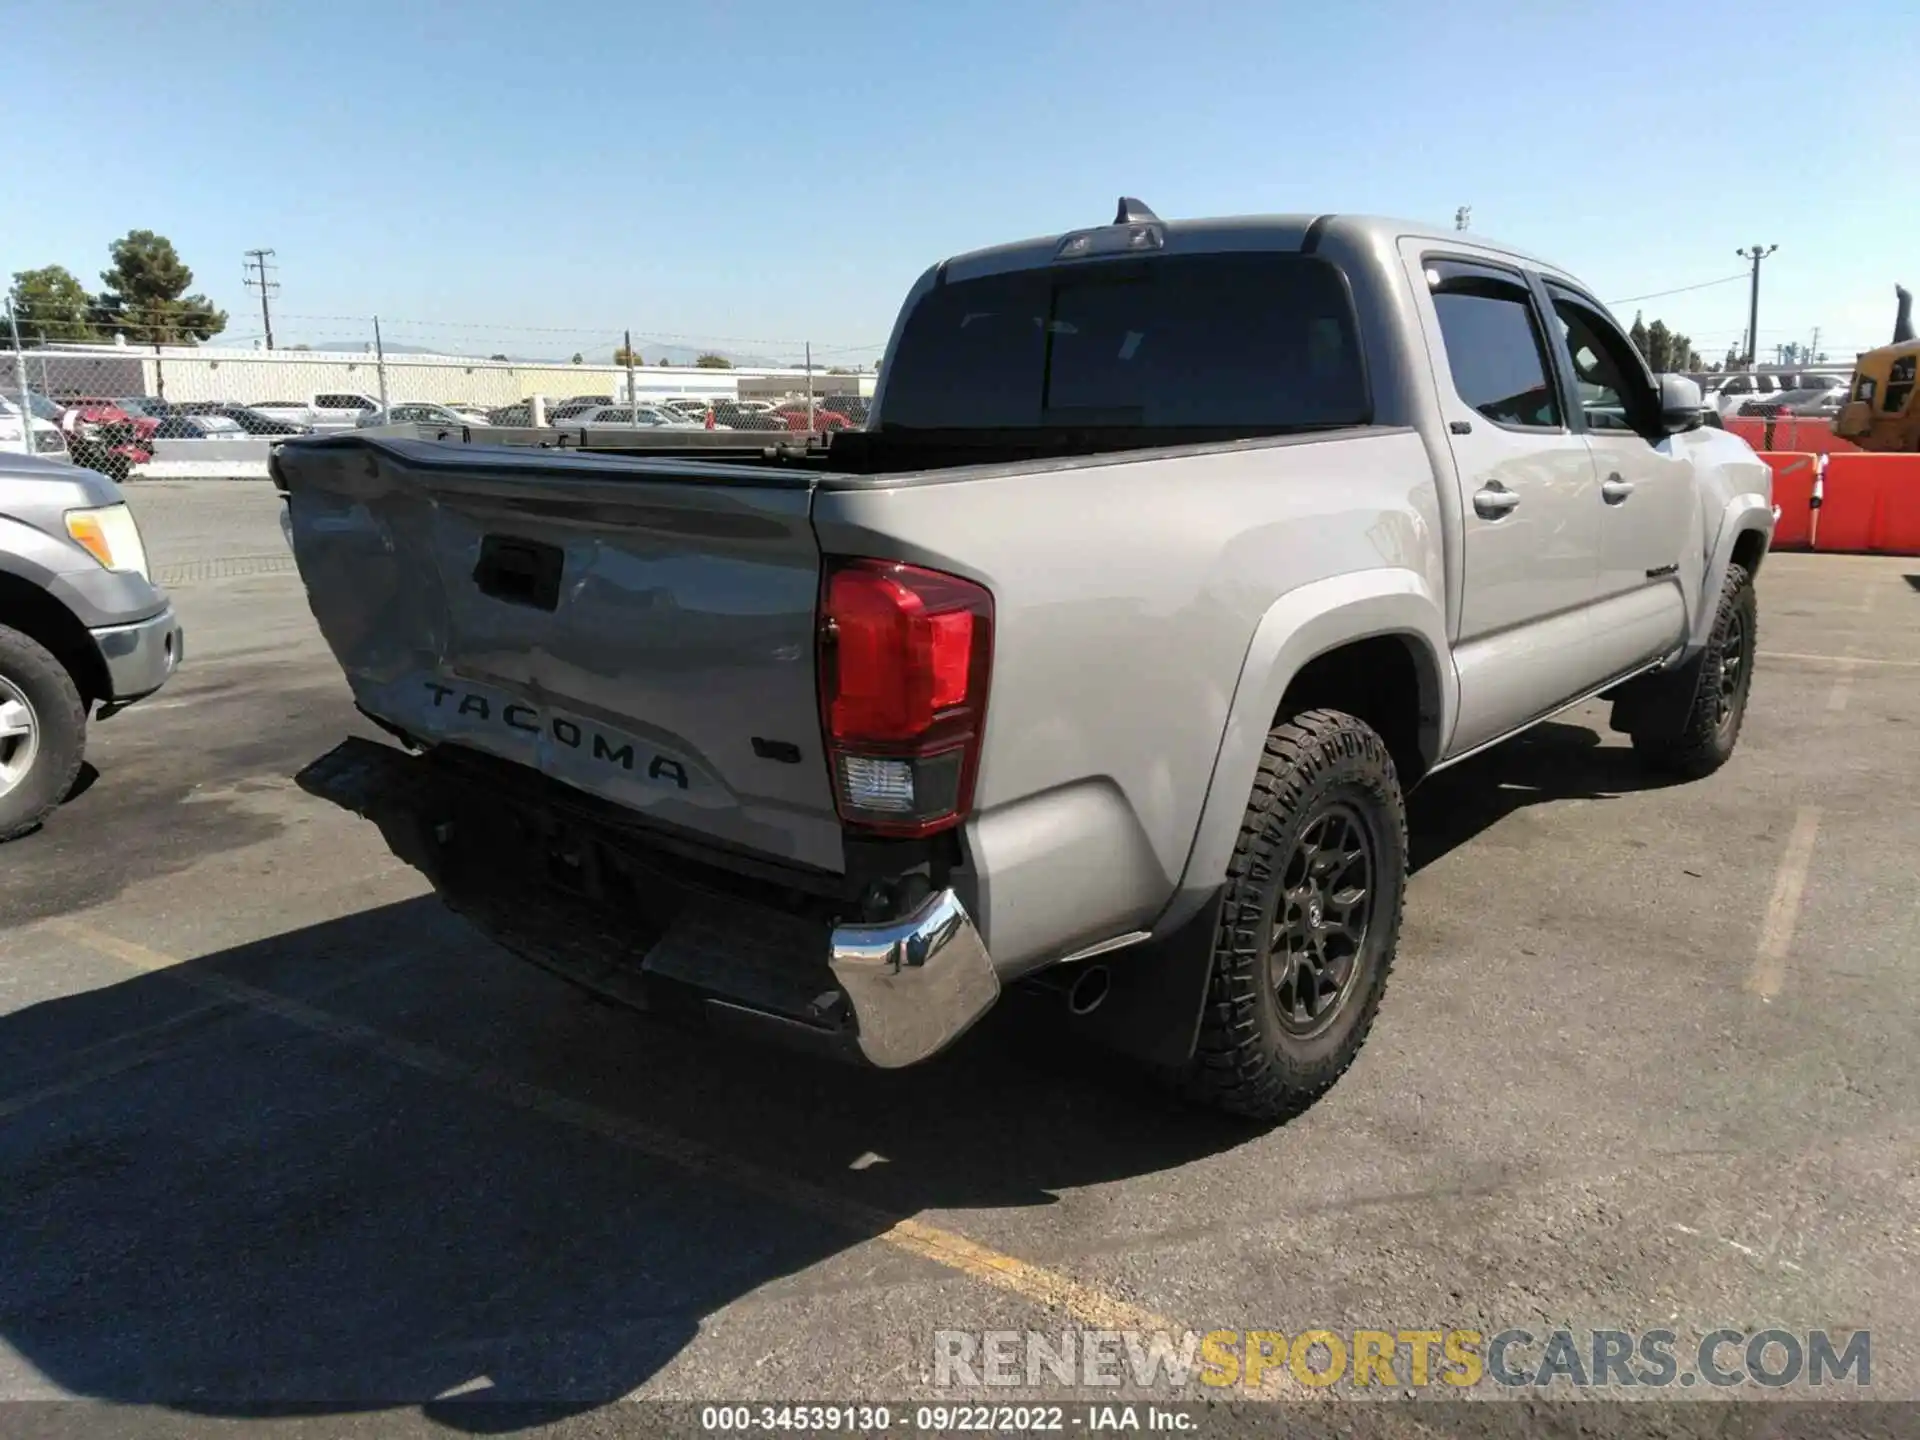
x: 1087, y: 1304
x: 1783, y: 909
x: 1842, y: 685
x: 1837, y: 659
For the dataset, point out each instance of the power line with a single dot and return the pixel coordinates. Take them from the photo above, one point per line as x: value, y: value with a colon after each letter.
x: 1682, y: 290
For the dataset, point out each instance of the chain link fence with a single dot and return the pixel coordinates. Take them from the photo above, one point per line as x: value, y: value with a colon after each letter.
x: 113, y: 406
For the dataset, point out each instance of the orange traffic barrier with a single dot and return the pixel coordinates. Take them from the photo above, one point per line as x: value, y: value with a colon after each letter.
x: 1871, y: 503
x: 1793, y: 479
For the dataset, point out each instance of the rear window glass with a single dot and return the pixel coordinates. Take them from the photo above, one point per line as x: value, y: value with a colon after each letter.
x: 1244, y: 341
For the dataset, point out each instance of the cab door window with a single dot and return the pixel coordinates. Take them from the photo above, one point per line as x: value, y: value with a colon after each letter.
x: 1495, y: 350
x: 1608, y: 376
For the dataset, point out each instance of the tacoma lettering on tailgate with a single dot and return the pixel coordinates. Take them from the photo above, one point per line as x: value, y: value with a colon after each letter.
x: 517, y: 716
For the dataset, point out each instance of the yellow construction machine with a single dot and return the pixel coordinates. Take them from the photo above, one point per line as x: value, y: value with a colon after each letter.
x: 1881, y: 412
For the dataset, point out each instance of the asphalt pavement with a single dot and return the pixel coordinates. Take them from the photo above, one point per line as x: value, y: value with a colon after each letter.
x: 275, y: 1128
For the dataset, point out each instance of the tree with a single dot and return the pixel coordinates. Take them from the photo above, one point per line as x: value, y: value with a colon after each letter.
x: 1665, y: 351
x: 496, y: 357
x: 50, y: 304
x: 714, y: 362
x: 146, y: 293
x: 663, y: 362
x: 1659, y: 348
x: 578, y: 359
x: 623, y: 356
x: 1735, y: 360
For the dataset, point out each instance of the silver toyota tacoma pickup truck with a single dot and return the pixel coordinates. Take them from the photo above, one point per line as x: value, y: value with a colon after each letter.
x: 1172, y: 556
x: 83, y: 628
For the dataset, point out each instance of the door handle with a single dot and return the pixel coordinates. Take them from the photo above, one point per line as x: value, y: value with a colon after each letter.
x: 1615, y: 490
x: 1493, y: 501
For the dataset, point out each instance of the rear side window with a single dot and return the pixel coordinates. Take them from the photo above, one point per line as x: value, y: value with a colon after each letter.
x: 1238, y: 341
x: 343, y: 402
x: 1496, y: 352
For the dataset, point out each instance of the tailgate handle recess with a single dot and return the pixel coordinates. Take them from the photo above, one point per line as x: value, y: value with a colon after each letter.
x: 520, y: 572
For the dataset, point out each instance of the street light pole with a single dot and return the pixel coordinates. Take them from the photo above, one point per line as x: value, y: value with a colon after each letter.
x: 1755, y: 254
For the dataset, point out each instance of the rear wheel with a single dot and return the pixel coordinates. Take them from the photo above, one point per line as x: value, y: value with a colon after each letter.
x: 43, y: 729
x: 1309, y: 920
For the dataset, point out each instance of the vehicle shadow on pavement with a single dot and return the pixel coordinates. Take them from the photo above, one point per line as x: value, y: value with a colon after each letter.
x: 1553, y: 761
x: 367, y: 1162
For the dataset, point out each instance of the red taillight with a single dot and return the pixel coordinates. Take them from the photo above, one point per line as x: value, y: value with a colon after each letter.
x: 904, y: 659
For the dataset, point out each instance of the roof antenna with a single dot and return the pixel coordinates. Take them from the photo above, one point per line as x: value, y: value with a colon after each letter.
x: 1134, y: 212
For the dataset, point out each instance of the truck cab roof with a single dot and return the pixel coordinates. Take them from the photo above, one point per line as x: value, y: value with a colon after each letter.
x: 1296, y: 232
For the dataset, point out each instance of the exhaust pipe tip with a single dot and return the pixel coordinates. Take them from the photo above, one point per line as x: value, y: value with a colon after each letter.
x: 1089, y: 990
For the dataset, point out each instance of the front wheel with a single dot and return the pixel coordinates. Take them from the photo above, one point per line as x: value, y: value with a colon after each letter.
x: 43, y: 730
x: 1705, y: 741
x: 1308, y: 923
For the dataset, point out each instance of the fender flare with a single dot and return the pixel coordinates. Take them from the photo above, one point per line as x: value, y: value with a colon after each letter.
x: 1743, y: 514
x: 28, y: 553
x: 1298, y: 627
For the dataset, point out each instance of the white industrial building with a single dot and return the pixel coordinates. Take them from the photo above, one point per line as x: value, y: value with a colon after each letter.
x: 249, y: 376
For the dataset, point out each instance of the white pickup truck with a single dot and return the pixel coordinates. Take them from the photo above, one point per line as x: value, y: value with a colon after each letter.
x: 1172, y: 556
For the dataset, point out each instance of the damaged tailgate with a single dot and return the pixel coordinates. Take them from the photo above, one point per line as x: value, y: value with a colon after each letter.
x: 639, y: 629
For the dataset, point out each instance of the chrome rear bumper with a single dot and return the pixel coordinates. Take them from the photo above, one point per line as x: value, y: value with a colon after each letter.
x: 888, y: 995
x: 916, y: 984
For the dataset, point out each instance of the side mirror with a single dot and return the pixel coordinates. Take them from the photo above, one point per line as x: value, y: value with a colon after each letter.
x: 1680, y: 404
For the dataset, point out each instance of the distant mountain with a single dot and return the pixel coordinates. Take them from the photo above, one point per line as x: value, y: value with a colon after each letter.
x: 355, y: 347
x: 679, y: 356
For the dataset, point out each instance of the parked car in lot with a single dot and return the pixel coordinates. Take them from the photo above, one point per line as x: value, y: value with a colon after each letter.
x: 324, y: 411
x: 733, y: 415
x: 96, y: 434
x: 47, y: 438
x: 105, y: 437
x: 472, y: 414
x: 631, y: 415
x: 253, y: 422
x: 412, y: 412
x: 824, y: 417
x: 575, y: 407
x: 692, y: 407
x: 1816, y: 401
x: 100, y: 410
x: 84, y: 631
x: 178, y: 425
x: 1738, y: 390
x: 1103, y: 657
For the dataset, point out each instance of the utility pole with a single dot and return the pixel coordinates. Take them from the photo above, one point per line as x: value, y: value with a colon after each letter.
x: 379, y: 362
x: 1462, y: 217
x: 1813, y: 350
x: 257, y: 279
x: 20, y: 380
x: 1755, y: 254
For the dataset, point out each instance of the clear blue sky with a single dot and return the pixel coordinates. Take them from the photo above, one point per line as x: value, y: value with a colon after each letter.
x: 761, y: 172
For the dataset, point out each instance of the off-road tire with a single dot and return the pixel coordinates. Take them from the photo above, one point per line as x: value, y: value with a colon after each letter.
x: 60, y: 716
x: 1245, y: 1063
x: 1706, y: 739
